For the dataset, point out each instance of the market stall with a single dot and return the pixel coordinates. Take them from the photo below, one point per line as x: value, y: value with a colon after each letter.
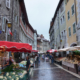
x: 70, y: 62
x: 6, y: 46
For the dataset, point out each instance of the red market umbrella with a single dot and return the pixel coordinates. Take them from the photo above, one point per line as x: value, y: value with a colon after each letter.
x: 52, y: 51
x: 35, y: 51
x: 16, y: 47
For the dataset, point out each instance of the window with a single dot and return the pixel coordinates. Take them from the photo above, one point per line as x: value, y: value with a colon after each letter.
x: 66, y: 1
x: 74, y: 28
x: 62, y: 7
x: 3, y: 24
x: 68, y: 14
x: 62, y: 34
x: 8, y: 3
x: 16, y: 18
x: 61, y: 20
x: 23, y: 18
x: 72, y: 8
x: 69, y: 31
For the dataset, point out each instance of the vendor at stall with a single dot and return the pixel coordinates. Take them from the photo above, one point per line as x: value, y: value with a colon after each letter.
x: 10, y: 61
x: 28, y: 63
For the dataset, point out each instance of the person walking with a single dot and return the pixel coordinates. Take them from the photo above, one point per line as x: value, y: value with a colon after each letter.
x: 28, y: 65
x: 52, y: 59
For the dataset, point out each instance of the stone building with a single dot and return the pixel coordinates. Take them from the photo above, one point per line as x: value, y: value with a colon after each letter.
x: 14, y: 12
x: 57, y: 29
x: 35, y: 40
x: 26, y: 31
x: 42, y: 44
x: 9, y: 12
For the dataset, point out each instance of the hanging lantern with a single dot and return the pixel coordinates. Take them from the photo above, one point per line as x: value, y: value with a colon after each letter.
x: 9, y: 24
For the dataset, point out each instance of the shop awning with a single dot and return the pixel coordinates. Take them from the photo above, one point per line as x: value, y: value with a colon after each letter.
x: 52, y: 51
x: 67, y: 49
x: 36, y: 51
x: 78, y: 47
x: 15, y: 46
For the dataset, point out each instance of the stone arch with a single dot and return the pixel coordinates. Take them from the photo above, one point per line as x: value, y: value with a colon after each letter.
x: 73, y: 44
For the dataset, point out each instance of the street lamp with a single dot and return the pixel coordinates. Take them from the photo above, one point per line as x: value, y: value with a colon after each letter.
x: 9, y: 24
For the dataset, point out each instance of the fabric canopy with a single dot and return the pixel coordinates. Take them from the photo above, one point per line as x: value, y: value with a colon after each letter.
x: 67, y: 49
x: 78, y: 47
x: 35, y: 51
x: 15, y: 46
x: 52, y: 51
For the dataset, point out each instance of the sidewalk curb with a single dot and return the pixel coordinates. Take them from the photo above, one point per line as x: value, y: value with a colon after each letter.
x: 74, y: 74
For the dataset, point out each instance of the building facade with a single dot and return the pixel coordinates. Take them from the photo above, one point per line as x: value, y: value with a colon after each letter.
x: 35, y: 40
x: 71, y: 21
x: 42, y: 44
x: 78, y: 22
x: 26, y: 34
x: 9, y: 12
x: 66, y: 24
x: 58, y: 27
x: 14, y: 12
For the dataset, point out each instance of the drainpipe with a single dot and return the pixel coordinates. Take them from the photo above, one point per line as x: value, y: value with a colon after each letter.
x: 75, y: 12
x: 76, y: 17
x: 12, y: 19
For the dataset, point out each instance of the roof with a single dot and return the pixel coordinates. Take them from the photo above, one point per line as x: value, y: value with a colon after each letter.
x: 39, y: 38
x: 53, y: 19
x: 23, y: 8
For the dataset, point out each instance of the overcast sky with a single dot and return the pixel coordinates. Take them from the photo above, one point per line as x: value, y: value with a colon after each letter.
x: 40, y: 13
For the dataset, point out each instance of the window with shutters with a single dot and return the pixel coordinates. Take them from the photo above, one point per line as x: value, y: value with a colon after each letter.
x: 68, y: 14
x: 69, y: 31
x: 8, y: 3
x: 72, y: 8
x: 61, y: 20
x: 16, y: 18
x: 3, y: 24
x: 74, y: 28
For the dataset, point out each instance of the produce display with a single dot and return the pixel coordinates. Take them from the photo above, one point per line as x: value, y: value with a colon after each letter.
x: 13, y: 75
x: 74, y: 61
x: 60, y: 59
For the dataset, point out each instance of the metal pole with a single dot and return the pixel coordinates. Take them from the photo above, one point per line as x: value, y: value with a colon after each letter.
x: 12, y: 20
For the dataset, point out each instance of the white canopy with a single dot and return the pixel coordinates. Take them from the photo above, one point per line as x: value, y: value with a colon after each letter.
x: 67, y: 49
x: 78, y: 47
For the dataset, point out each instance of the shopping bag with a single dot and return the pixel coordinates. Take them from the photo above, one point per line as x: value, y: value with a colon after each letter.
x: 50, y: 61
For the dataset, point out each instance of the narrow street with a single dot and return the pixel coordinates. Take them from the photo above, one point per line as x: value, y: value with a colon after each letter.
x: 47, y: 71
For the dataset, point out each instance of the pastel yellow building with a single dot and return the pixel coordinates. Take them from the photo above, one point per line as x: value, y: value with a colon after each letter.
x: 71, y: 21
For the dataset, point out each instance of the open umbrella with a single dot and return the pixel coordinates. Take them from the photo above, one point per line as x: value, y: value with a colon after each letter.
x: 52, y: 51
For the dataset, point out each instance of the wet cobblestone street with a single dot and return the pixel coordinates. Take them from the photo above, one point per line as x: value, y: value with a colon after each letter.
x: 47, y: 71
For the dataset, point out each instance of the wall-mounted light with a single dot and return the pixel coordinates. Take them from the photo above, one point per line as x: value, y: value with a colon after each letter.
x: 9, y: 24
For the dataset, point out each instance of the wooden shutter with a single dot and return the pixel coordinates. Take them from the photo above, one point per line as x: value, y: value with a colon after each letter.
x: 8, y: 3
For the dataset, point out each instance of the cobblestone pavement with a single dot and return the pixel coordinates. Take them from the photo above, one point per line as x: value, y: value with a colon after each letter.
x: 47, y: 71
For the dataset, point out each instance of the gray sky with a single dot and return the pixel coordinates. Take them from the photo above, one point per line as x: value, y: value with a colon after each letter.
x: 40, y: 13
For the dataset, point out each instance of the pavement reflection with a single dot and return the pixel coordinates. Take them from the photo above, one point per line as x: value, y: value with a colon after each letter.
x: 47, y: 71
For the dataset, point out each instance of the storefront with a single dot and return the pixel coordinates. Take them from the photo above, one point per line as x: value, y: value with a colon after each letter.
x: 13, y: 47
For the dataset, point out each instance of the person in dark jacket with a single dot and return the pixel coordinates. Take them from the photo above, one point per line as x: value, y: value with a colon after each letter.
x: 28, y: 65
x: 10, y: 61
